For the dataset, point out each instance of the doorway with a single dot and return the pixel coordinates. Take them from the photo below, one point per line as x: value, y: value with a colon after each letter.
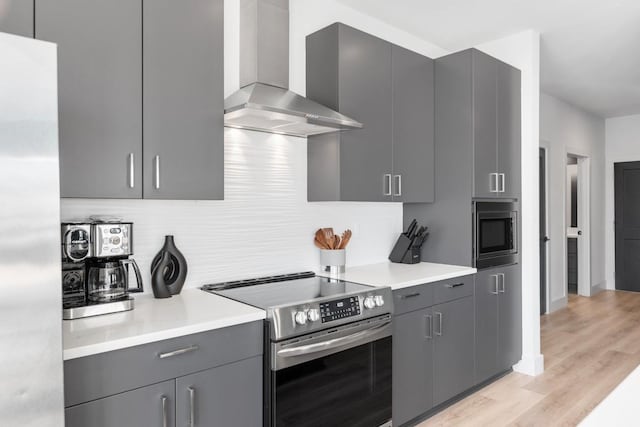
x: 577, y: 225
x: 627, y: 225
x: 544, y: 238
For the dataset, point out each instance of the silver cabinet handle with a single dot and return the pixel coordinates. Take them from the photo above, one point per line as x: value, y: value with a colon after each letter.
x: 407, y: 296
x: 192, y: 406
x: 132, y: 171
x: 429, y: 325
x: 493, y: 183
x: 386, y: 184
x: 501, y: 183
x: 495, y: 284
x: 439, y: 331
x: 178, y: 352
x: 165, y: 416
x: 398, y: 179
x: 501, y: 287
x: 156, y: 162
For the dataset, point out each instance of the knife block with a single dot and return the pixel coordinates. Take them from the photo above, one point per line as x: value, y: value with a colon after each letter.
x: 404, y: 253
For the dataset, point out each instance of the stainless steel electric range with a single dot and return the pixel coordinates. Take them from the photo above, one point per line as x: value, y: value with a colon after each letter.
x: 327, y: 349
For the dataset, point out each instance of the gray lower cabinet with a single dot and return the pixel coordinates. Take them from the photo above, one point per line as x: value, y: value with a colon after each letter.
x: 16, y: 17
x: 412, y: 365
x: 99, y: 92
x: 388, y: 89
x: 453, y: 357
x: 227, y: 396
x: 183, y: 99
x: 209, y: 379
x: 151, y: 406
x: 498, y: 308
x: 433, y: 346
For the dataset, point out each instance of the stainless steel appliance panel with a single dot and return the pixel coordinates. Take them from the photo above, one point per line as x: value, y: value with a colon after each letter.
x: 31, y: 339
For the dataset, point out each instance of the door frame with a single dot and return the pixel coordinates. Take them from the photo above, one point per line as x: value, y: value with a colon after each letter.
x: 546, y: 146
x: 584, y: 222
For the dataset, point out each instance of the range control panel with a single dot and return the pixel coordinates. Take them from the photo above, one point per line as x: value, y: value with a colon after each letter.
x: 339, y: 309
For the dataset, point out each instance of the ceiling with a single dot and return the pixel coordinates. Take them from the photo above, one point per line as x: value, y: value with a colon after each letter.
x: 589, y: 50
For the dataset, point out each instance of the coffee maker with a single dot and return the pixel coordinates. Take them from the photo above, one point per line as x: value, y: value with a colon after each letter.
x: 95, y: 268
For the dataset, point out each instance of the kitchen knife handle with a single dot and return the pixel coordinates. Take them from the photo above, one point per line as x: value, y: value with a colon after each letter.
x: 386, y: 184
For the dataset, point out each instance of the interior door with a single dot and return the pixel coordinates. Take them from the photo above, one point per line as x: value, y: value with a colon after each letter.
x: 627, y: 225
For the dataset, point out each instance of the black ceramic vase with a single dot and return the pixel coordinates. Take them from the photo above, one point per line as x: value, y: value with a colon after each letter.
x: 168, y: 270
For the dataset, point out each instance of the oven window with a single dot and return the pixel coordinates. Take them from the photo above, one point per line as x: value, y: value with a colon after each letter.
x: 495, y: 235
x: 349, y: 388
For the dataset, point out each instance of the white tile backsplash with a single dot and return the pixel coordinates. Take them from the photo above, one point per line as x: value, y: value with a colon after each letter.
x: 265, y: 224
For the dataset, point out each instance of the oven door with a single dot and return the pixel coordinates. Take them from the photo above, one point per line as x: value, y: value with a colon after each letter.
x: 338, y: 377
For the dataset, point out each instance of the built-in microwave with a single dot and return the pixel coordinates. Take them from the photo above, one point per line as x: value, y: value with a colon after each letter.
x: 495, y: 234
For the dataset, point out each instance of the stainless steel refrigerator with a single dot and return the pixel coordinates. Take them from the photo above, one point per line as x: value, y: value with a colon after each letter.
x: 31, y: 380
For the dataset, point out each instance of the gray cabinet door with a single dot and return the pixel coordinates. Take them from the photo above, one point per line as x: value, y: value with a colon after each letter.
x: 365, y: 95
x: 509, y: 130
x: 413, y: 130
x: 453, y: 349
x: 99, y: 89
x: 486, y: 312
x: 183, y: 99
x: 412, y: 365
x: 151, y: 406
x: 510, y: 318
x: 16, y: 17
x: 227, y: 396
x: 485, y: 119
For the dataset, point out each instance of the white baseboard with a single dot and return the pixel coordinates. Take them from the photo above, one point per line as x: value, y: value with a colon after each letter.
x: 531, y: 364
x: 557, y: 304
x: 596, y: 289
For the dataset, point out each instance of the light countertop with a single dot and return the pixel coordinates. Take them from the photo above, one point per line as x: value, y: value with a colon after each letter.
x: 400, y: 276
x: 620, y: 408
x: 152, y: 320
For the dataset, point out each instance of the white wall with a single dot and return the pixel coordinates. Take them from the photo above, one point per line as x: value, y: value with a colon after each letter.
x: 567, y: 129
x: 522, y: 50
x: 623, y: 145
x: 265, y: 224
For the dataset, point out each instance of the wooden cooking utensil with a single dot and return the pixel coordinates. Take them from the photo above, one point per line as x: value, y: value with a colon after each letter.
x: 346, y: 236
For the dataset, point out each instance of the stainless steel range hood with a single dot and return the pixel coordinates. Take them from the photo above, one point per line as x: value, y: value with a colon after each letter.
x: 264, y: 102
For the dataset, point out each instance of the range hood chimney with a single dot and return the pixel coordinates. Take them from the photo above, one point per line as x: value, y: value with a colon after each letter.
x: 264, y: 102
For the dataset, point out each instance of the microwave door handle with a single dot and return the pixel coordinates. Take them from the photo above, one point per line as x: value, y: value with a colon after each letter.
x: 333, y: 343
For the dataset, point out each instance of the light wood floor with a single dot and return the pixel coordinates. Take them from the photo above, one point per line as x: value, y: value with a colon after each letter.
x: 589, y: 348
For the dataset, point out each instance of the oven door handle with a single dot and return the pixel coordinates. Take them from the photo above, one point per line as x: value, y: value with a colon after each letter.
x: 333, y: 343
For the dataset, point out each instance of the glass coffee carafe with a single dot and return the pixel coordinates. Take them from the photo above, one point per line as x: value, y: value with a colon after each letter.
x: 108, y: 280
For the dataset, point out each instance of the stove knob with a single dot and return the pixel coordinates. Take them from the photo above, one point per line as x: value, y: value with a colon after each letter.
x: 379, y: 300
x: 369, y: 303
x: 301, y: 317
x: 313, y: 315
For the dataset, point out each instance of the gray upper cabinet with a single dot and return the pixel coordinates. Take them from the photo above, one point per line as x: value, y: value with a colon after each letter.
x: 412, y: 365
x: 99, y: 86
x: 227, y: 396
x: 150, y: 406
x: 413, y: 135
x: 16, y: 17
x: 390, y: 91
x: 498, y: 308
x: 358, y: 66
x: 509, y: 130
x: 484, y: 125
x: 183, y: 99
x: 453, y: 355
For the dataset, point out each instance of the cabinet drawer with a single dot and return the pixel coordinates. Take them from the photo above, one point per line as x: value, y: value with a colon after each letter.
x: 93, y: 377
x: 449, y: 290
x: 413, y: 298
